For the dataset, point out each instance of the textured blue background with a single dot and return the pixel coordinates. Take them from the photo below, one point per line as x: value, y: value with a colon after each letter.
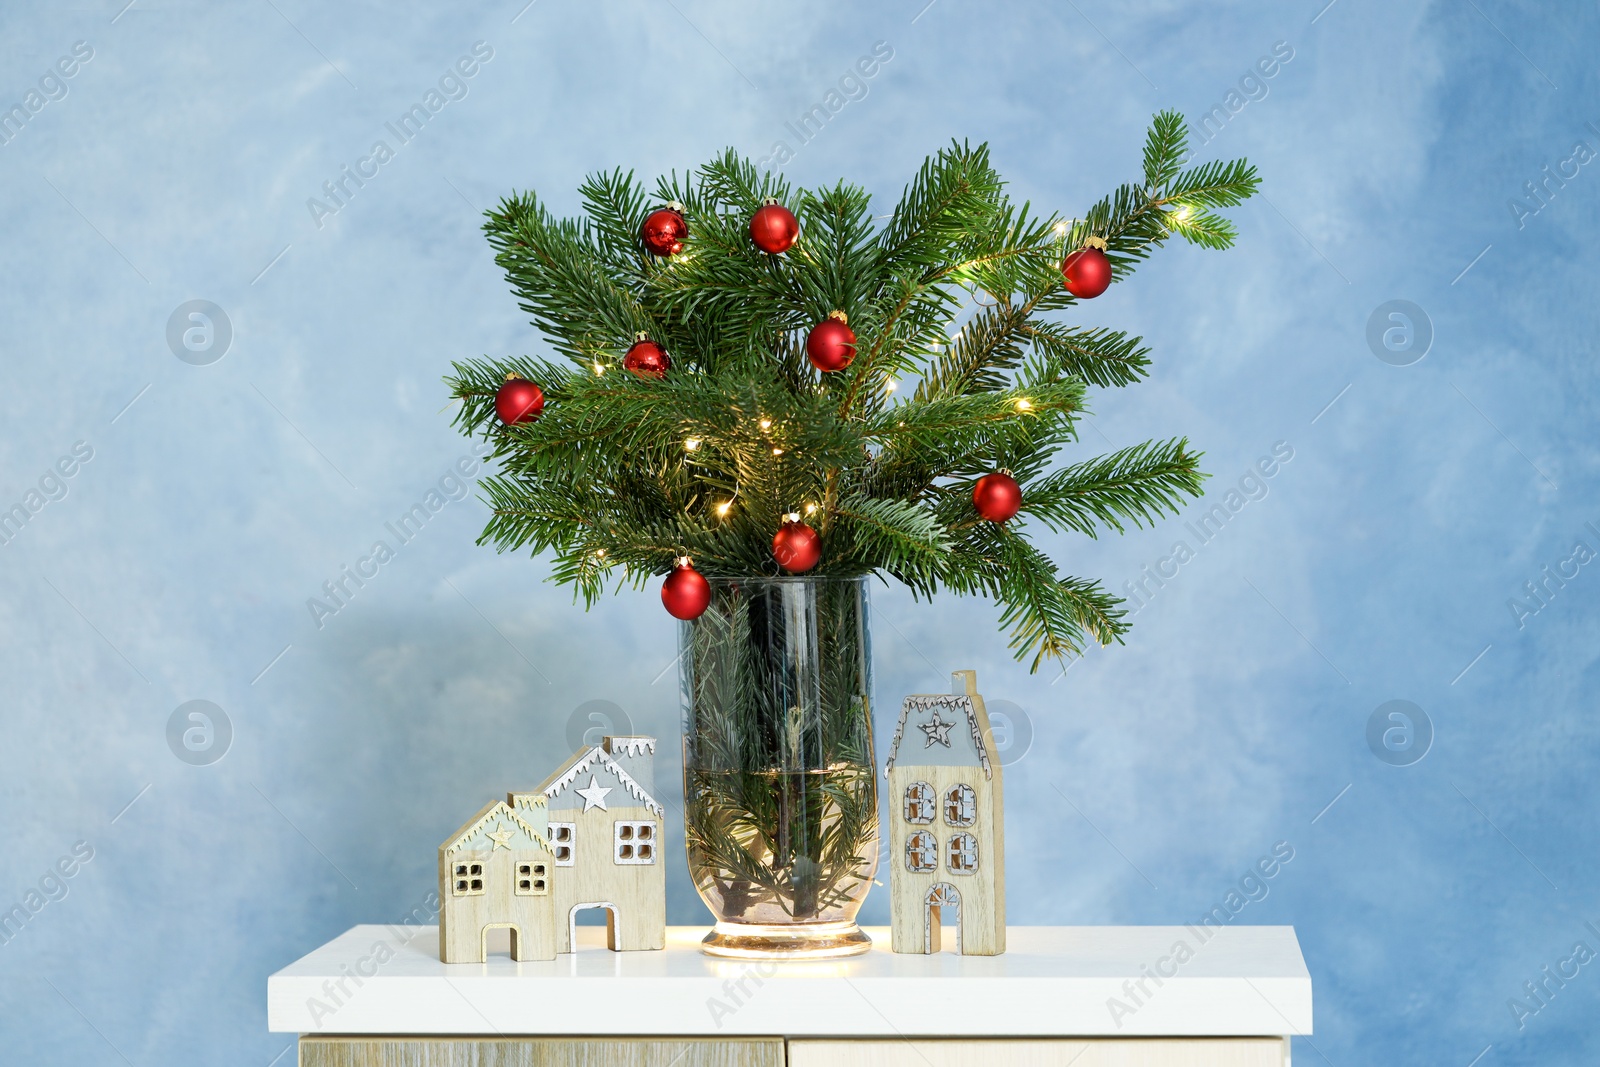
x: 178, y: 564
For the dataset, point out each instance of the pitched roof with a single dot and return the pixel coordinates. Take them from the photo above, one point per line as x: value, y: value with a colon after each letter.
x: 949, y: 727
x: 496, y: 817
x: 595, y: 761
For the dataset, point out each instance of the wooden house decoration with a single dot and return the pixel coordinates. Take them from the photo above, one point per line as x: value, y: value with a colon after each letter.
x: 496, y: 872
x: 590, y: 837
x: 604, y: 829
x: 947, y: 829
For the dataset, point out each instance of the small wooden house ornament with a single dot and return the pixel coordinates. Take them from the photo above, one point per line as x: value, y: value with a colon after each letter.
x: 947, y: 828
x: 590, y: 837
x: 496, y: 872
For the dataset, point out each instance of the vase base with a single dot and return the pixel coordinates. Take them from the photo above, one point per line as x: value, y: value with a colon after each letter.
x: 797, y: 941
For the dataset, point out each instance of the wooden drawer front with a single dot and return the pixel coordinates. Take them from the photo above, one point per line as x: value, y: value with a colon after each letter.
x: 539, y: 1052
x: 1093, y: 1052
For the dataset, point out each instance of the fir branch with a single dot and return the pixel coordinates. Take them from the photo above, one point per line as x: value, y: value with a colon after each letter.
x: 616, y: 207
x: 895, y: 535
x: 1215, y: 184
x: 976, y: 360
x: 954, y: 188
x: 1048, y: 616
x: 1139, y: 485
x: 1098, y: 356
x: 1203, y: 228
x: 1164, y: 149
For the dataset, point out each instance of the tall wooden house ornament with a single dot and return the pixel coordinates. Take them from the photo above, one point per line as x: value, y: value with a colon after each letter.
x: 947, y: 828
x: 589, y: 837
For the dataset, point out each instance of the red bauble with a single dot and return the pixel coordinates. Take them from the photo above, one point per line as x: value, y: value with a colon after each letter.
x: 797, y: 547
x: 518, y: 400
x: 647, y: 359
x: 997, y: 496
x: 664, y: 231
x: 1087, y: 271
x: 773, y: 227
x: 831, y: 345
x: 686, y: 594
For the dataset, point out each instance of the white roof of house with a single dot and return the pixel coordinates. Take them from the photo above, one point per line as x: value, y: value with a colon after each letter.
x: 497, y: 825
x: 946, y: 731
x: 594, y: 761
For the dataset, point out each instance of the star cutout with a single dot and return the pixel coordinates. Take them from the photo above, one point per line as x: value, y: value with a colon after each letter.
x: 501, y: 837
x: 936, y: 731
x: 595, y: 795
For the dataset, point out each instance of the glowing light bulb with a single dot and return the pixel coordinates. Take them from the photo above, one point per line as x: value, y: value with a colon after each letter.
x: 777, y: 451
x: 1024, y: 404
x: 811, y: 509
x: 691, y: 443
x: 723, y: 508
x: 1182, y: 214
x: 599, y: 368
x: 1061, y: 229
x: 766, y: 424
x: 890, y: 386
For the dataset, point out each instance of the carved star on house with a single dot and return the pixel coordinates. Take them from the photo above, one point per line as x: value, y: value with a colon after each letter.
x: 500, y: 836
x: 936, y: 730
x: 594, y: 795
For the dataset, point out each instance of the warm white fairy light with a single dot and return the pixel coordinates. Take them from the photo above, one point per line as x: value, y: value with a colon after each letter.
x: 1181, y: 215
x: 691, y: 443
x: 777, y: 451
x: 765, y: 424
x: 1024, y: 404
x: 599, y: 368
x: 890, y: 386
x: 1061, y: 228
x: 811, y: 509
x: 723, y: 509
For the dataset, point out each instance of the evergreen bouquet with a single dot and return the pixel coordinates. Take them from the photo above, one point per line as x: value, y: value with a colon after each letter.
x: 621, y: 475
x: 759, y: 380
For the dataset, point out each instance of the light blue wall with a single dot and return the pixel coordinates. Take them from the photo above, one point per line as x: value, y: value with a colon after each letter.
x: 178, y: 564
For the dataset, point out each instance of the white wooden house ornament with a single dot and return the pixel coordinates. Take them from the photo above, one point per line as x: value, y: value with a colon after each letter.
x: 946, y: 825
x: 589, y: 837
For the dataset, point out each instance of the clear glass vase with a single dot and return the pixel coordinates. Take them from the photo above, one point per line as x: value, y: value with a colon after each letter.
x: 780, y: 792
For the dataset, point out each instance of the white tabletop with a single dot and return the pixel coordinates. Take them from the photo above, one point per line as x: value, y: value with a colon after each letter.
x: 1053, y: 981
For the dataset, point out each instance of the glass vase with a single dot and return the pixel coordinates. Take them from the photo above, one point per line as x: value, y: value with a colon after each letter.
x: 781, y: 799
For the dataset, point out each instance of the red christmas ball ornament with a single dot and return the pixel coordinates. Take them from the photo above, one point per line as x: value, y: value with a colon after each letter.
x: 665, y: 230
x: 796, y: 546
x: 518, y: 400
x: 647, y: 359
x: 997, y: 496
x: 686, y: 594
x: 773, y: 227
x: 831, y: 344
x: 1087, y: 271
